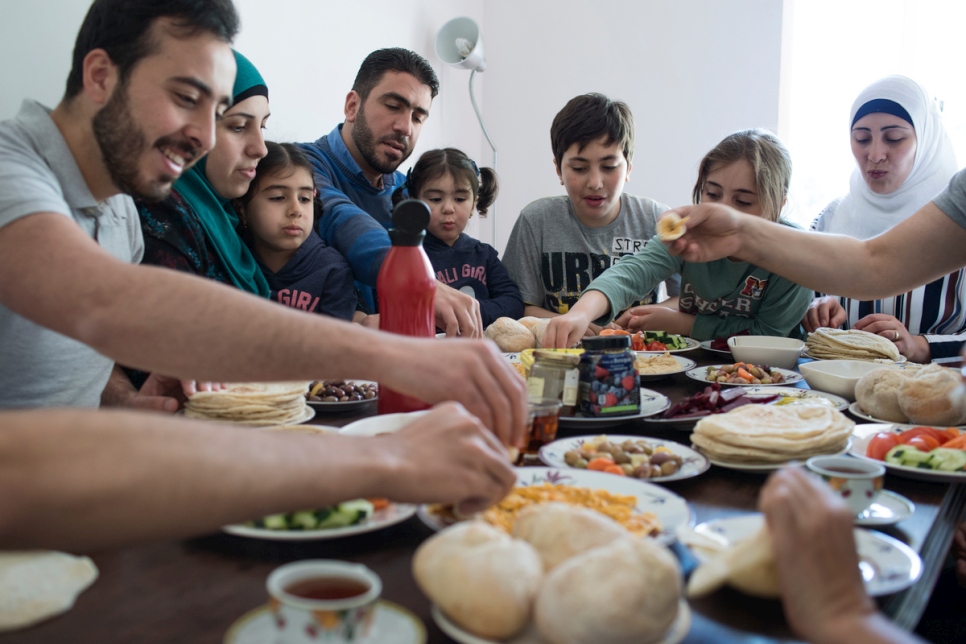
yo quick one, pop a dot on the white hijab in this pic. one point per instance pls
(862, 213)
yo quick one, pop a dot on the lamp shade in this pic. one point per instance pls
(460, 43)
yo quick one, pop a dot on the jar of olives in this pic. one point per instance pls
(555, 376)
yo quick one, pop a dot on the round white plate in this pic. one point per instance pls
(651, 403)
(706, 345)
(395, 513)
(679, 629)
(512, 357)
(887, 565)
(765, 467)
(669, 508)
(856, 410)
(691, 343)
(683, 365)
(793, 395)
(701, 375)
(391, 624)
(343, 406)
(883, 361)
(694, 462)
(861, 436)
(887, 508)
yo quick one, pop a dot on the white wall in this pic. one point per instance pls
(691, 71)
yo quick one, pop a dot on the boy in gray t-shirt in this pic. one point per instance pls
(560, 244)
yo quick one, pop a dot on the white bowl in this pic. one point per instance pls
(385, 424)
(837, 376)
(768, 350)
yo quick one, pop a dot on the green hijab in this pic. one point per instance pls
(215, 213)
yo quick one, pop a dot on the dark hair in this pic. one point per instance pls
(281, 157)
(769, 160)
(434, 164)
(122, 29)
(588, 117)
(394, 59)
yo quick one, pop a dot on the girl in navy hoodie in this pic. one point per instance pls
(454, 187)
(278, 215)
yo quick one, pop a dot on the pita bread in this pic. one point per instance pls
(37, 585)
(671, 226)
(747, 565)
(769, 434)
(833, 344)
(251, 403)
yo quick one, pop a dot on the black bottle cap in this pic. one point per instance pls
(602, 343)
(409, 218)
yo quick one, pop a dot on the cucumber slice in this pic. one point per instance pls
(947, 460)
(275, 522)
(304, 520)
(906, 455)
(363, 507)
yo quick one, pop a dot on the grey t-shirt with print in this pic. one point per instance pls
(952, 200)
(38, 174)
(553, 257)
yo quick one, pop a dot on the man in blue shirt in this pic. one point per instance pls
(356, 173)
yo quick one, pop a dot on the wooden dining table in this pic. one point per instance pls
(192, 591)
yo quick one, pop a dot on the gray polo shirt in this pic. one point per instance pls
(40, 368)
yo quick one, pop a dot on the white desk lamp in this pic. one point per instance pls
(459, 43)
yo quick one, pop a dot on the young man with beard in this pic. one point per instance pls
(356, 173)
(148, 82)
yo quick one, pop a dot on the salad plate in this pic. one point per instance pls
(706, 345)
(701, 375)
(388, 516)
(887, 564)
(694, 463)
(861, 436)
(691, 345)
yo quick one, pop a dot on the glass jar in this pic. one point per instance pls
(555, 376)
(608, 377)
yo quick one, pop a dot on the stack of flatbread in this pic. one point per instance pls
(839, 344)
(764, 434)
(251, 403)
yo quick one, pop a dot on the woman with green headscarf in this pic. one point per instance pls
(194, 229)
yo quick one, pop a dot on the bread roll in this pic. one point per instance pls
(559, 531)
(877, 392)
(529, 321)
(510, 335)
(539, 330)
(480, 578)
(934, 396)
(625, 591)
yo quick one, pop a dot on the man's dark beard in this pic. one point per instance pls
(362, 137)
(122, 142)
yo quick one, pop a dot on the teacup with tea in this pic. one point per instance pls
(323, 600)
(855, 480)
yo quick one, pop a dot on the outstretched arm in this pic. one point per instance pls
(922, 248)
(63, 485)
(167, 322)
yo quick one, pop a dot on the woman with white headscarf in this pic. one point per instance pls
(904, 158)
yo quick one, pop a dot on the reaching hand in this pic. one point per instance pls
(825, 311)
(654, 317)
(457, 313)
(712, 232)
(914, 347)
(564, 331)
(448, 456)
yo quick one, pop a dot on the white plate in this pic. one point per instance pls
(701, 375)
(766, 467)
(887, 565)
(679, 629)
(395, 513)
(887, 508)
(691, 343)
(883, 361)
(694, 462)
(861, 436)
(671, 510)
(651, 403)
(683, 365)
(706, 345)
(391, 624)
(856, 410)
(343, 406)
(794, 394)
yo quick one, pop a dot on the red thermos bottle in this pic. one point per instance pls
(406, 287)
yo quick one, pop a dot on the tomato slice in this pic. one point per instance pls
(880, 445)
(937, 434)
(656, 346)
(637, 342)
(924, 442)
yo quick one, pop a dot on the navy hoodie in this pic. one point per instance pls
(317, 279)
(472, 267)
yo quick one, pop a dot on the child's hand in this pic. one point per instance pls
(565, 331)
(654, 317)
